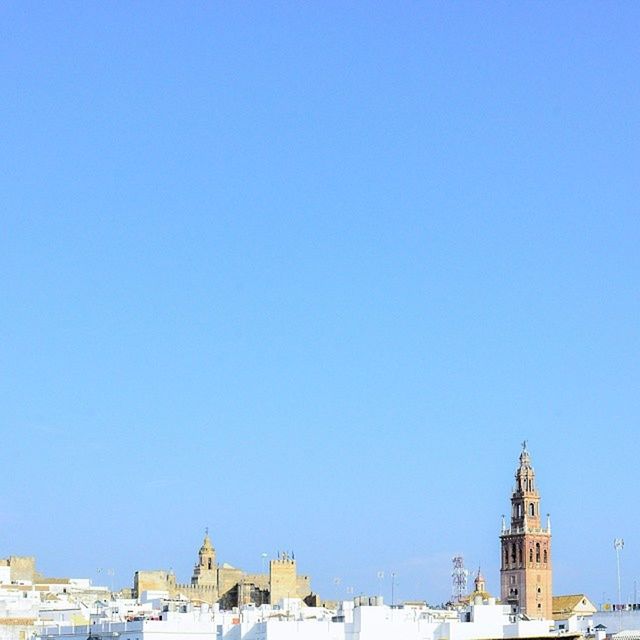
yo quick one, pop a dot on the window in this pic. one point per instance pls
(545, 556)
(531, 554)
(513, 552)
(532, 509)
(537, 552)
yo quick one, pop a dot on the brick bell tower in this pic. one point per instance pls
(525, 573)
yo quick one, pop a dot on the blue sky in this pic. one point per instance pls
(307, 274)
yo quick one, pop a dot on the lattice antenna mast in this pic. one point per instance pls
(459, 577)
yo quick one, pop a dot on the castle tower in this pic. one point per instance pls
(283, 581)
(525, 573)
(205, 572)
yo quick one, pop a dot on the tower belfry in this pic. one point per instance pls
(525, 573)
(205, 571)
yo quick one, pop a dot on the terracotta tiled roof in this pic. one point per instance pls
(566, 605)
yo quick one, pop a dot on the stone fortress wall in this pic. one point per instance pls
(227, 585)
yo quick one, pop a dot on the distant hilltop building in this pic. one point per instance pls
(525, 574)
(227, 585)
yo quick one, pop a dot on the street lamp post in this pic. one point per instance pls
(618, 545)
(393, 588)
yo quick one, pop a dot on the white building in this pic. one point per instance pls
(364, 619)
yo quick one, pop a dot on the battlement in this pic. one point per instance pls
(284, 559)
(196, 587)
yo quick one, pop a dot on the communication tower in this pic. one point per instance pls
(459, 579)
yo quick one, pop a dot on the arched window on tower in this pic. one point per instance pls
(537, 552)
(519, 554)
(544, 555)
(506, 555)
(530, 554)
(513, 552)
(532, 509)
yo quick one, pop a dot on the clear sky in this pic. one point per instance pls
(307, 274)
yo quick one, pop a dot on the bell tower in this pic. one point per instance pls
(525, 573)
(205, 572)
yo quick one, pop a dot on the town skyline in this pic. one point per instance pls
(342, 587)
(307, 274)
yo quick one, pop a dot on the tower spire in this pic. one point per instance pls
(525, 574)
